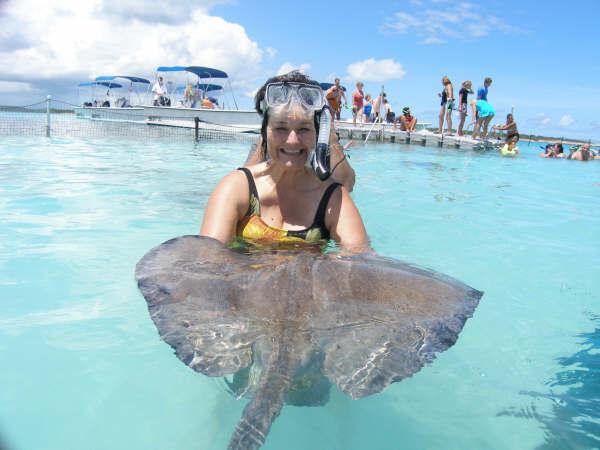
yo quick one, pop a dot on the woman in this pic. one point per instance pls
(358, 98)
(463, 95)
(447, 105)
(510, 126)
(367, 108)
(281, 200)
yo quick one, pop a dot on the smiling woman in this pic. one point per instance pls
(281, 200)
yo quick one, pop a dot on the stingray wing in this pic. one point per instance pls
(380, 320)
(193, 286)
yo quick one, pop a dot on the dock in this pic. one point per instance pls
(385, 132)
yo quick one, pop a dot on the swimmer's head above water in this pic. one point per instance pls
(290, 107)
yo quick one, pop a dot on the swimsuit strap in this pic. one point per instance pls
(320, 215)
(253, 206)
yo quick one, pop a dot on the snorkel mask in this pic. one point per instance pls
(311, 98)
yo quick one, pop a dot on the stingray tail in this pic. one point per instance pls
(252, 429)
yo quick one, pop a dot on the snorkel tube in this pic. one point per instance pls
(320, 157)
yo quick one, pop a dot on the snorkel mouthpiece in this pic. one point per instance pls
(320, 157)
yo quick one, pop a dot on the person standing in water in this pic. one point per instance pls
(281, 200)
(447, 105)
(463, 95)
(510, 126)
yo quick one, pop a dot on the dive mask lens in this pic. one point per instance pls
(311, 97)
(278, 94)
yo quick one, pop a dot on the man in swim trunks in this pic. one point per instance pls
(334, 97)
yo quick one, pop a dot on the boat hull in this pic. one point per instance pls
(222, 117)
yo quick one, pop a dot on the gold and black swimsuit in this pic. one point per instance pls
(253, 229)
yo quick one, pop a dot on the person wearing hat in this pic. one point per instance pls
(464, 92)
(407, 120)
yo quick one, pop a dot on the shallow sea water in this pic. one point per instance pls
(84, 368)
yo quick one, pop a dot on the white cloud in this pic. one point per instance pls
(375, 70)
(72, 38)
(540, 120)
(436, 26)
(566, 120)
(288, 67)
(271, 52)
(16, 86)
(163, 11)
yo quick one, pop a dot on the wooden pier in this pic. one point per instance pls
(384, 132)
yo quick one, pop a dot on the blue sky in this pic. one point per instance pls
(543, 57)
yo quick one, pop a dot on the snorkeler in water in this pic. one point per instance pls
(287, 197)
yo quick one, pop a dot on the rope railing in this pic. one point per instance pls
(59, 118)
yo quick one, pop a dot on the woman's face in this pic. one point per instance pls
(291, 135)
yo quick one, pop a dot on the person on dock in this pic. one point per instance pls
(367, 109)
(446, 105)
(390, 115)
(280, 201)
(463, 94)
(485, 111)
(408, 122)
(358, 98)
(334, 97)
(377, 104)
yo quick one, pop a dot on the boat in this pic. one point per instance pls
(177, 108)
(117, 102)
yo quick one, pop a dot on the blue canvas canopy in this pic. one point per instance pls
(126, 77)
(201, 72)
(206, 72)
(101, 83)
(171, 69)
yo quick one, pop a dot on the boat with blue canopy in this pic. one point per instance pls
(183, 93)
(110, 97)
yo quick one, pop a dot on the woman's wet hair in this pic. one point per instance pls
(509, 118)
(294, 76)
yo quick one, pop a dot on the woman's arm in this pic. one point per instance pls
(344, 223)
(226, 205)
(342, 171)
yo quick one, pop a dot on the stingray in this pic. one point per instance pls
(288, 324)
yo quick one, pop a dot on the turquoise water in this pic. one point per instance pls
(83, 366)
